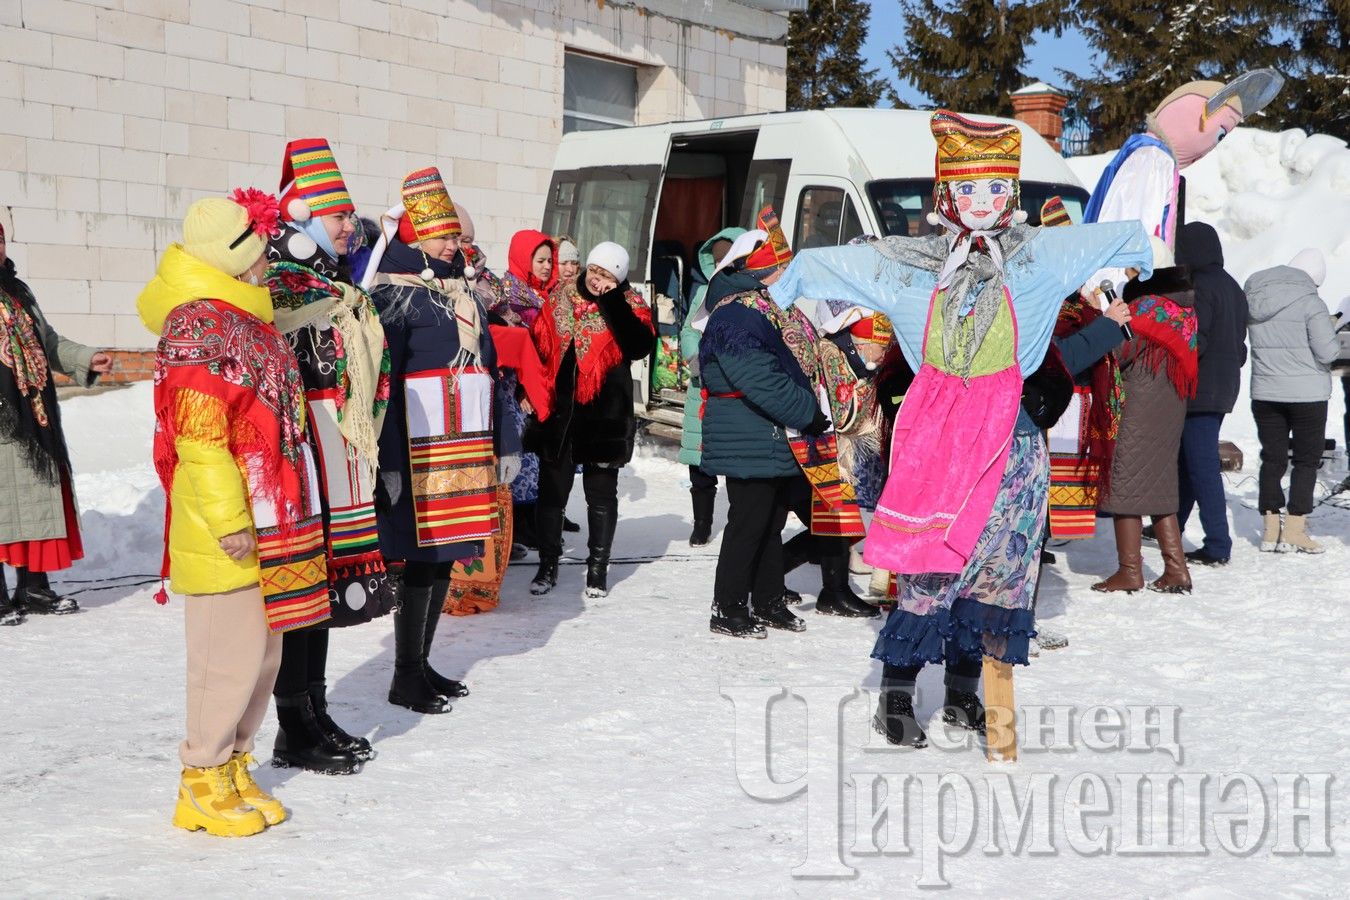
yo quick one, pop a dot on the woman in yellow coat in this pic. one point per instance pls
(245, 540)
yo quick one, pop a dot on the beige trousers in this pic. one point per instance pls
(232, 662)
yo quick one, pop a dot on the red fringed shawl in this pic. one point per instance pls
(569, 318)
(1105, 381)
(1167, 338)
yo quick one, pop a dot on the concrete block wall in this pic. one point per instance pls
(116, 114)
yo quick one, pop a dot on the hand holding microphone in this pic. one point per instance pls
(1117, 310)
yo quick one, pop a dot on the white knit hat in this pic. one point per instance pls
(610, 257)
(568, 252)
(1313, 262)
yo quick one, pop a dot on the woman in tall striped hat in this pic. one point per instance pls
(339, 344)
(442, 448)
(964, 508)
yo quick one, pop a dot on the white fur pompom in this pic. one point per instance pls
(427, 274)
(297, 210)
(470, 272)
(1019, 216)
(301, 246)
(933, 219)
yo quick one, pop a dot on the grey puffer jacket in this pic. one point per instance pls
(1293, 342)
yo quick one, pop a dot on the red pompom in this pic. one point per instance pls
(161, 595)
(264, 213)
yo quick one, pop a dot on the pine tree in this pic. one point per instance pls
(1318, 93)
(825, 65)
(969, 55)
(1149, 48)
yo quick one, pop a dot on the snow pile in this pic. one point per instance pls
(1269, 195)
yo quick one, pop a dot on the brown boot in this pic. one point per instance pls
(1176, 578)
(1129, 576)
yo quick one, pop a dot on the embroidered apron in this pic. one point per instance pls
(1073, 494)
(454, 478)
(948, 453)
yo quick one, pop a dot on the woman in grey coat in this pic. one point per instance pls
(1158, 372)
(1293, 344)
(39, 524)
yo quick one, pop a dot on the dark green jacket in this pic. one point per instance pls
(745, 437)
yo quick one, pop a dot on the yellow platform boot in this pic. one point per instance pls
(253, 795)
(208, 799)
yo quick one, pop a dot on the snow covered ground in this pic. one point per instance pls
(598, 756)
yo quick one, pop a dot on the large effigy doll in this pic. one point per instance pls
(1143, 180)
(964, 508)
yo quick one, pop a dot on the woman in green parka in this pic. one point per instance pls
(702, 486)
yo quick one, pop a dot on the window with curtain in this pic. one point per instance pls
(597, 93)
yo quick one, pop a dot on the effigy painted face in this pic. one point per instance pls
(981, 203)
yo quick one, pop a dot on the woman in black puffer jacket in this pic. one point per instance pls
(587, 334)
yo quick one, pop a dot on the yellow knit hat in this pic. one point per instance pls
(219, 233)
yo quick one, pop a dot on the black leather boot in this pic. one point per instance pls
(896, 721)
(357, 746)
(446, 687)
(734, 621)
(34, 593)
(11, 613)
(550, 523)
(601, 522)
(775, 614)
(302, 744)
(836, 594)
(410, 688)
(964, 709)
(704, 501)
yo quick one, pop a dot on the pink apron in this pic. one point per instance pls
(948, 455)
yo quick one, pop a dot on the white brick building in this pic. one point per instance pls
(116, 114)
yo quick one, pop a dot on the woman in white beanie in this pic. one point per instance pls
(1293, 344)
(245, 531)
(587, 334)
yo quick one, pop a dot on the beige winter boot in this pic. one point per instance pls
(1295, 538)
(1270, 533)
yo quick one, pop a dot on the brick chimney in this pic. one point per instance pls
(1041, 107)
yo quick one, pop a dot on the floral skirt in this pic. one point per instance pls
(985, 608)
(525, 489)
(52, 554)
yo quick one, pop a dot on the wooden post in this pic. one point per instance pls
(1000, 711)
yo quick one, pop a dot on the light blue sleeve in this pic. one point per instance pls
(1057, 263)
(863, 277)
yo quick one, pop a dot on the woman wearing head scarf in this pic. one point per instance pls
(587, 334)
(335, 332)
(569, 259)
(41, 525)
(761, 404)
(245, 527)
(973, 309)
(532, 275)
(442, 448)
(1158, 374)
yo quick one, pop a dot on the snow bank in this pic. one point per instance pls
(1269, 195)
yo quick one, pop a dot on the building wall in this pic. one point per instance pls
(116, 114)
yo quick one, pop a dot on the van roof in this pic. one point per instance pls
(889, 143)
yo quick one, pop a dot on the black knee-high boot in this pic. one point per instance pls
(601, 522)
(447, 687)
(410, 687)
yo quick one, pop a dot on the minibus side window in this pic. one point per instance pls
(819, 211)
(765, 185)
